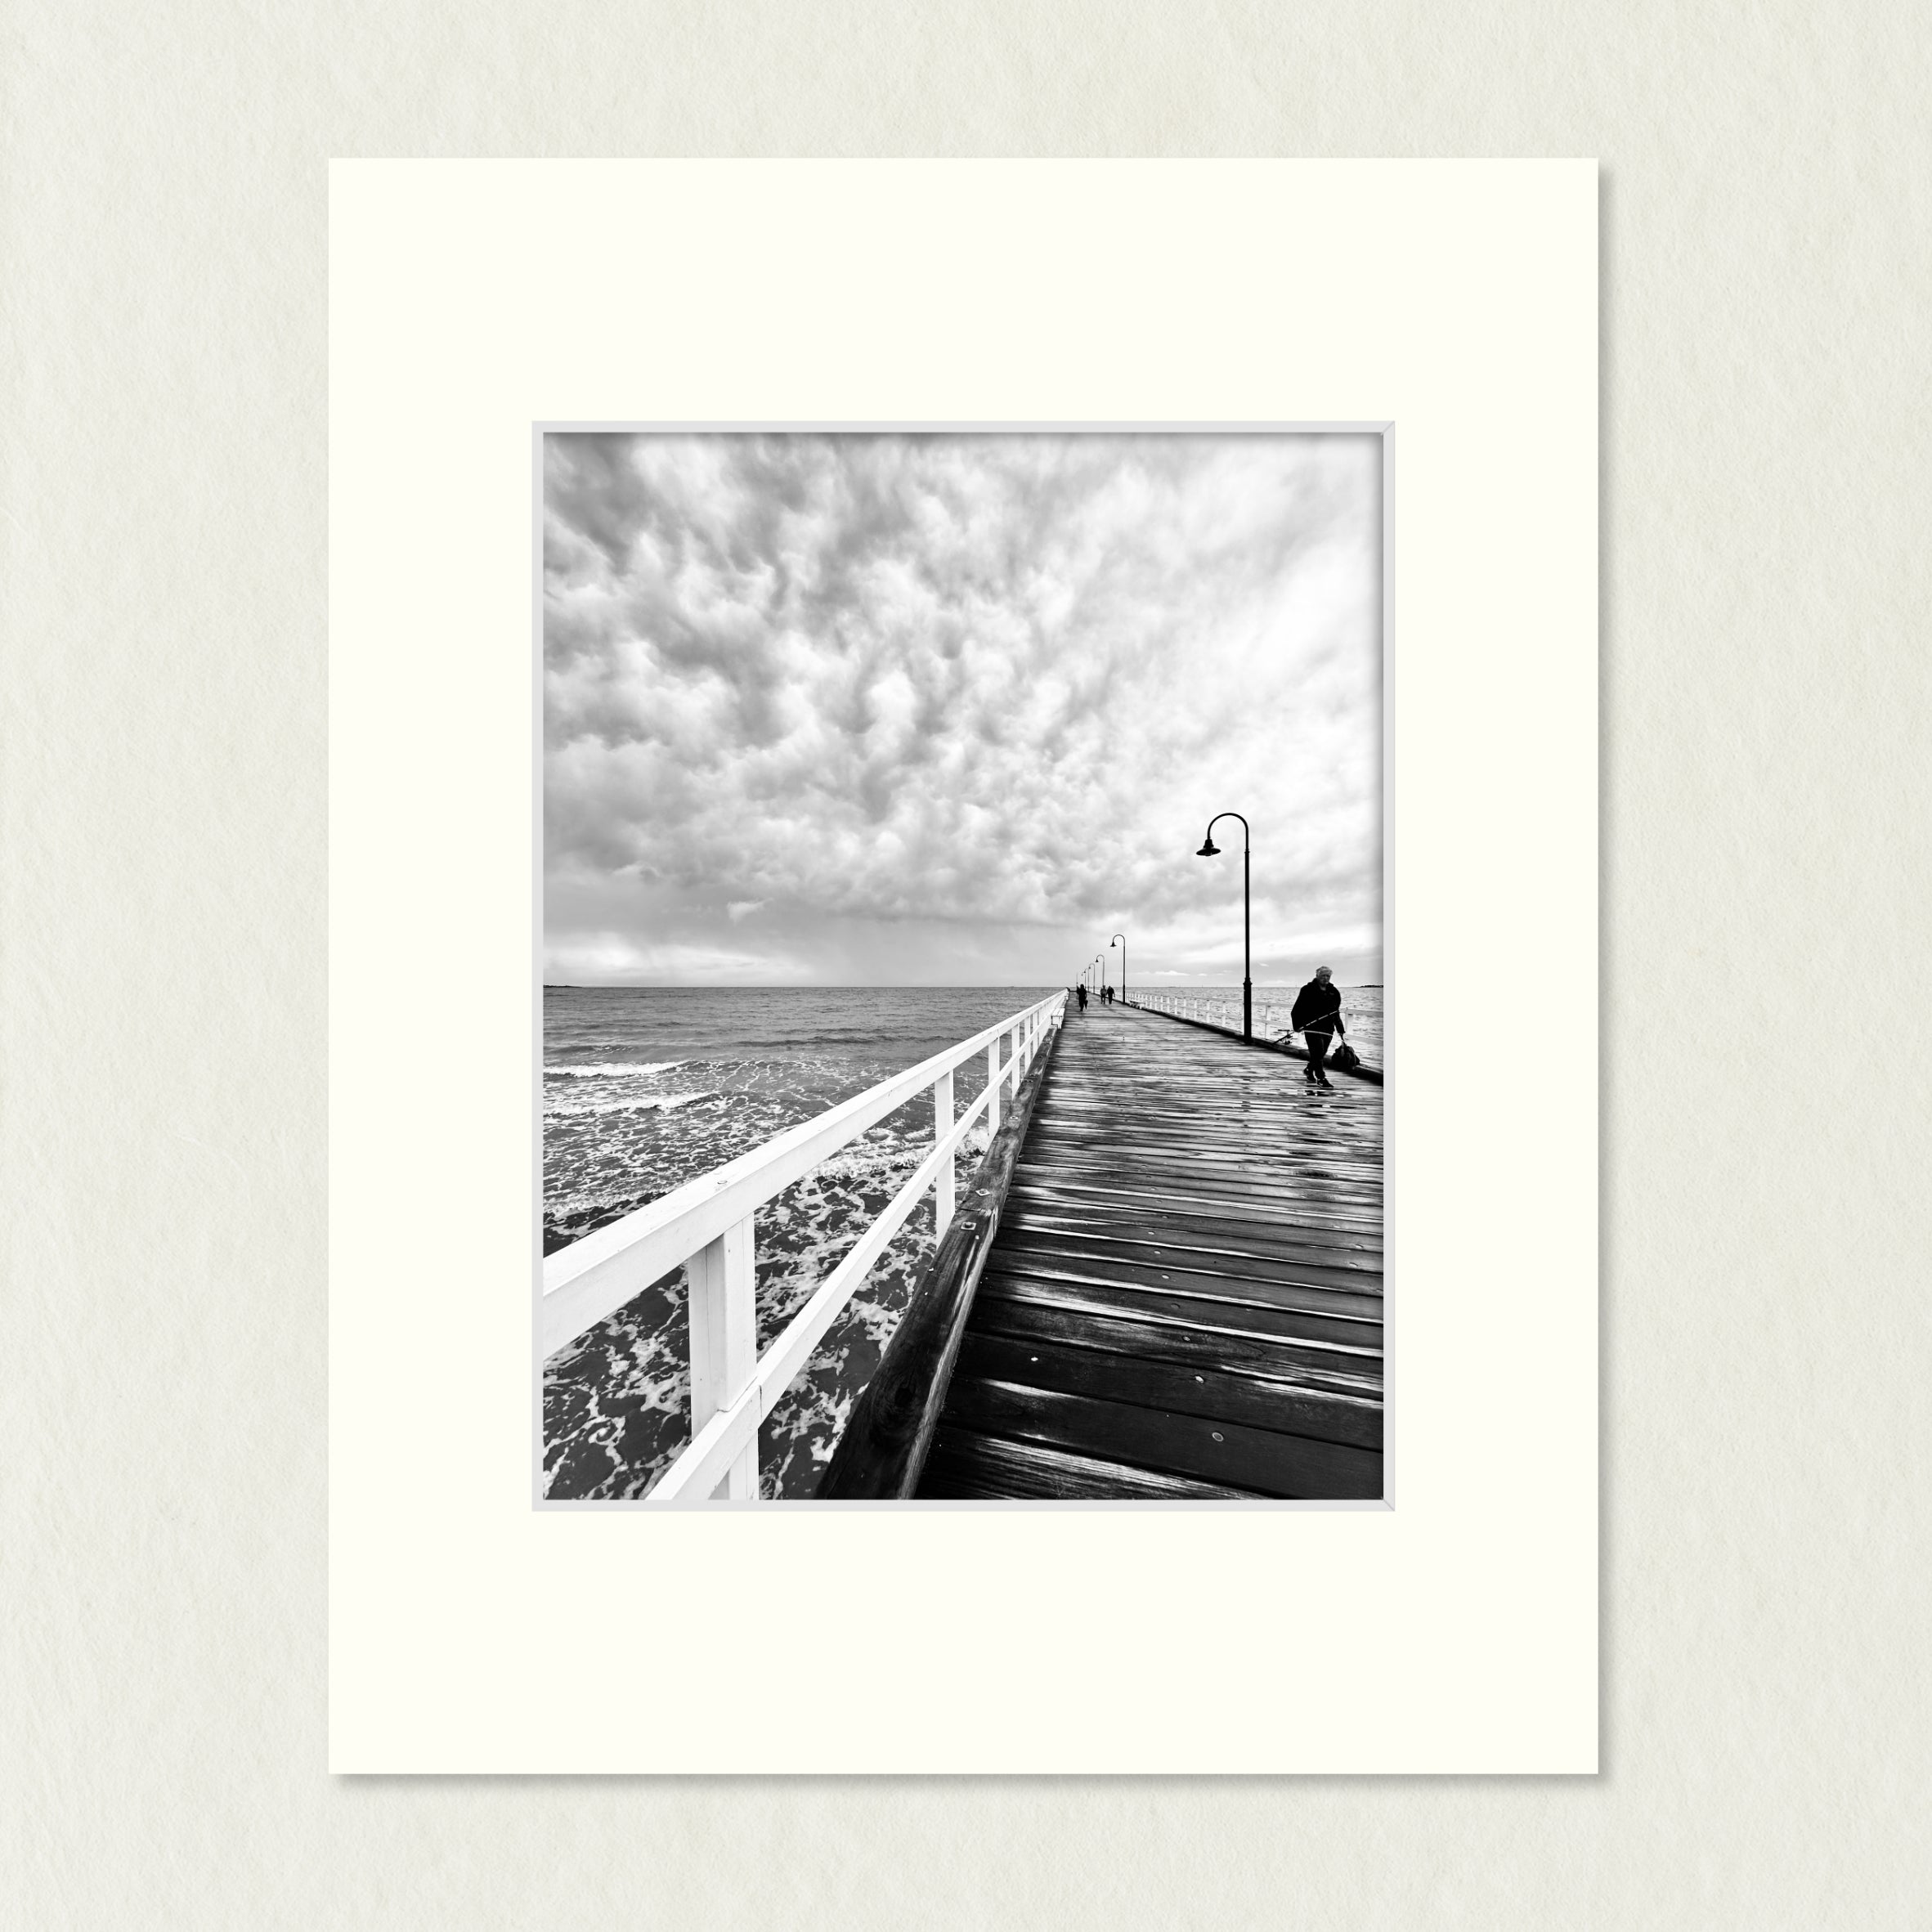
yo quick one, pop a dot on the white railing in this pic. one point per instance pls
(707, 1225)
(1218, 1009)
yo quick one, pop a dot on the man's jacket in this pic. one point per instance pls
(1317, 1008)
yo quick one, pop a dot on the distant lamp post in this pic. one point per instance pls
(1209, 849)
(1119, 939)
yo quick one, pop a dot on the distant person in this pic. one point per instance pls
(1317, 1015)
(1080, 994)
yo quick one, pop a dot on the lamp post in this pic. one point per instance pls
(1119, 939)
(1209, 849)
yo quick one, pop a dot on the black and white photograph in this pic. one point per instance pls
(963, 1024)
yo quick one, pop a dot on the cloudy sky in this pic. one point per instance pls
(952, 710)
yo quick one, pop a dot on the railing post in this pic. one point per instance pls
(992, 1080)
(724, 1314)
(942, 1125)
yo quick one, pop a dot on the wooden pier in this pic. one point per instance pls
(1183, 1295)
(1162, 1280)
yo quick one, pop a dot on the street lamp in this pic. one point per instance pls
(1119, 939)
(1209, 849)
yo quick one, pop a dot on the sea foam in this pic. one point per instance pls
(610, 1069)
(649, 1103)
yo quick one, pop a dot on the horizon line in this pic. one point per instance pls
(856, 985)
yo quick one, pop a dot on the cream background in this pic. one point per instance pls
(1462, 298)
(1766, 289)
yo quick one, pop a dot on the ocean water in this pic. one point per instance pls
(646, 1087)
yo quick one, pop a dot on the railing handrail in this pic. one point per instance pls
(717, 1444)
(594, 1277)
(707, 1227)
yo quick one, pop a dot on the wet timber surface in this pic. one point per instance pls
(1184, 1297)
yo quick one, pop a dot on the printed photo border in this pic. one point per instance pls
(1391, 1292)
(1456, 1631)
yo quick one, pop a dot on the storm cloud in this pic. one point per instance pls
(953, 708)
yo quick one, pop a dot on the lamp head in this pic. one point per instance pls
(1208, 849)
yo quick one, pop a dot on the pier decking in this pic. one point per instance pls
(1184, 1295)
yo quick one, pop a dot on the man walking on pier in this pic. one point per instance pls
(1317, 1016)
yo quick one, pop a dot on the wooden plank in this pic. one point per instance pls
(1175, 1275)
(1154, 1252)
(1279, 1203)
(1220, 1306)
(1175, 1167)
(966, 1465)
(1279, 1255)
(1178, 1169)
(1360, 1358)
(1266, 1141)
(1272, 1125)
(1264, 1357)
(1169, 1443)
(1210, 1392)
(1050, 1192)
(1167, 1108)
(1183, 1175)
